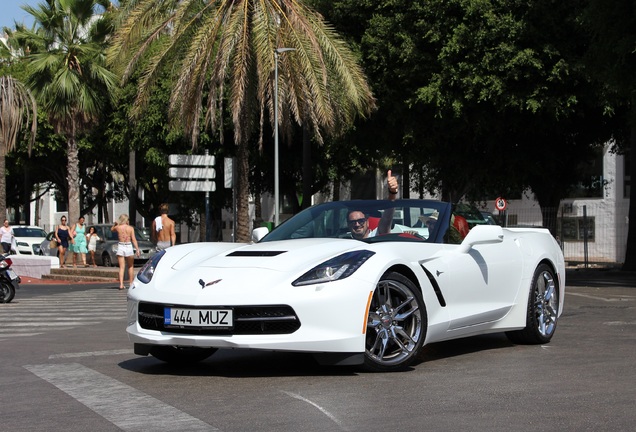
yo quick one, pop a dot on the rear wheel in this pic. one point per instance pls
(396, 325)
(7, 292)
(181, 355)
(543, 308)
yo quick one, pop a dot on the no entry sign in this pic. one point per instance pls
(501, 204)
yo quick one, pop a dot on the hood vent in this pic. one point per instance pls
(255, 253)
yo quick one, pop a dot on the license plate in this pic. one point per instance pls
(219, 318)
(12, 274)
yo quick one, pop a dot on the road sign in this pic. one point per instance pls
(205, 173)
(191, 160)
(501, 204)
(192, 186)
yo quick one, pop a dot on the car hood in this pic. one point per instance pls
(231, 273)
(284, 256)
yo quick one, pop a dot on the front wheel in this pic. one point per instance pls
(181, 355)
(396, 325)
(543, 309)
(7, 292)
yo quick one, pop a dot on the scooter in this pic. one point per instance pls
(9, 280)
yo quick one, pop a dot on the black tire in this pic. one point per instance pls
(542, 312)
(181, 355)
(106, 261)
(7, 292)
(396, 325)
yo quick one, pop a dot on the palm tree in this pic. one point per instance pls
(16, 105)
(223, 53)
(67, 73)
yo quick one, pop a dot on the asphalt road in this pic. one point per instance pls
(66, 365)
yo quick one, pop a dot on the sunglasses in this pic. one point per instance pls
(357, 221)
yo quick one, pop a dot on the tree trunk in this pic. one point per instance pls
(630, 252)
(132, 188)
(406, 184)
(27, 199)
(3, 188)
(242, 193)
(72, 176)
(308, 170)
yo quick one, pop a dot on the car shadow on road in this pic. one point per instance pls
(257, 364)
(241, 364)
(459, 347)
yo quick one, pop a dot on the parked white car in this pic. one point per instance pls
(28, 239)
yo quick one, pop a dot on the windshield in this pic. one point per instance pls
(28, 232)
(408, 220)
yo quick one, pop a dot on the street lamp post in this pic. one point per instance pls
(277, 52)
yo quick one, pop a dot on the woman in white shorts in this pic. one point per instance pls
(125, 252)
(92, 238)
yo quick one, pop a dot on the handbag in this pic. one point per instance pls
(53, 244)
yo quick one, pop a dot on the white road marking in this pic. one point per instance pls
(126, 407)
(619, 323)
(66, 322)
(321, 409)
(605, 299)
(92, 354)
(56, 312)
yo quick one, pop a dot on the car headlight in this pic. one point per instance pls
(148, 270)
(24, 244)
(335, 269)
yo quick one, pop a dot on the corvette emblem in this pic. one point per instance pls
(203, 284)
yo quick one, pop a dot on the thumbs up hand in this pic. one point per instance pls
(392, 184)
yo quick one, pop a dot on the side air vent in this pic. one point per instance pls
(436, 288)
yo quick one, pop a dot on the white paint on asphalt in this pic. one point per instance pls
(91, 354)
(126, 407)
(26, 317)
(618, 298)
(619, 323)
(321, 409)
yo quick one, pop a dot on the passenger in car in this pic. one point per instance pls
(358, 222)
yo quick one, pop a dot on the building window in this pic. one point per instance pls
(573, 228)
(592, 183)
(61, 203)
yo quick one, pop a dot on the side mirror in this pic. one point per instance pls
(482, 234)
(259, 233)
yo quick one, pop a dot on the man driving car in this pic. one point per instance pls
(358, 222)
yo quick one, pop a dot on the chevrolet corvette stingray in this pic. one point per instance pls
(439, 272)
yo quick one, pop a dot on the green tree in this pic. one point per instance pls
(17, 105)
(481, 87)
(225, 54)
(612, 60)
(67, 72)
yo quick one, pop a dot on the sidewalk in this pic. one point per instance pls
(601, 278)
(27, 280)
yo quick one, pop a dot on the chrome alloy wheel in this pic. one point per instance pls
(546, 304)
(396, 324)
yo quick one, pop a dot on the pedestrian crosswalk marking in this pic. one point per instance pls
(26, 317)
(113, 400)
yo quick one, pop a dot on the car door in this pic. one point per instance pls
(480, 284)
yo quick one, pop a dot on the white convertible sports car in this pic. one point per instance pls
(435, 272)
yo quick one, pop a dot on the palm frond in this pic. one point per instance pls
(17, 104)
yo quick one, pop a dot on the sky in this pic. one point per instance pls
(10, 11)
